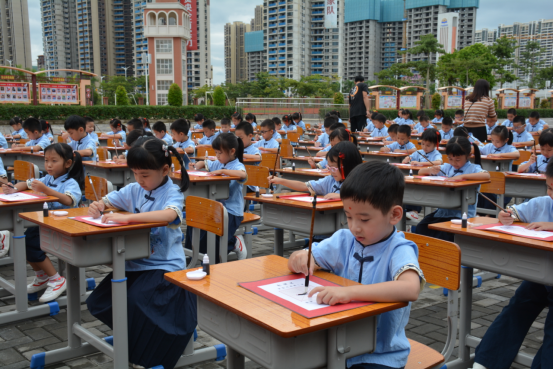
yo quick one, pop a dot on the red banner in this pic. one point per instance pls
(58, 93)
(190, 5)
(13, 93)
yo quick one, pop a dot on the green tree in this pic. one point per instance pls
(121, 94)
(531, 60)
(393, 76)
(446, 70)
(427, 45)
(338, 98)
(504, 49)
(467, 65)
(219, 96)
(436, 101)
(545, 74)
(174, 96)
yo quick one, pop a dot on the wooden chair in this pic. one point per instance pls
(294, 137)
(497, 187)
(445, 159)
(23, 141)
(103, 153)
(211, 216)
(440, 261)
(524, 156)
(200, 151)
(61, 139)
(286, 151)
(101, 185)
(269, 160)
(23, 170)
(415, 142)
(112, 141)
(299, 130)
(196, 135)
(308, 126)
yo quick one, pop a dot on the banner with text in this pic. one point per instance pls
(331, 14)
(58, 94)
(14, 93)
(190, 5)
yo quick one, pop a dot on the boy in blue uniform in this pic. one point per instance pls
(447, 129)
(422, 125)
(268, 144)
(511, 114)
(539, 164)
(460, 118)
(323, 140)
(297, 118)
(38, 141)
(244, 131)
(380, 129)
(374, 254)
(402, 144)
(179, 131)
(81, 141)
(90, 128)
(503, 339)
(534, 123)
(18, 131)
(520, 134)
(209, 127)
(199, 119)
(160, 131)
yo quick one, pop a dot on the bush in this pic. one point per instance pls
(545, 104)
(121, 96)
(436, 102)
(495, 103)
(174, 97)
(338, 98)
(219, 96)
(104, 112)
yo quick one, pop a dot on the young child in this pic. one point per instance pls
(337, 135)
(3, 142)
(118, 130)
(288, 124)
(18, 131)
(534, 123)
(236, 118)
(380, 129)
(511, 114)
(407, 118)
(462, 132)
(520, 134)
(225, 126)
(132, 137)
(65, 180)
(250, 118)
(430, 140)
(268, 144)
(460, 118)
(370, 126)
(447, 128)
(399, 118)
(500, 146)
(374, 254)
(342, 159)
(46, 129)
(513, 323)
(146, 124)
(402, 144)
(161, 316)
(297, 118)
(135, 123)
(392, 134)
(199, 119)
(276, 135)
(90, 129)
(490, 125)
(37, 140)
(458, 151)
(323, 140)
(179, 131)
(81, 141)
(438, 116)
(160, 131)
(244, 131)
(209, 127)
(229, 151)
(422, 125)
(539, 164)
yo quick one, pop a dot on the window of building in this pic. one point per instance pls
(164, 46)
(162, 99)
(164, 85)
(164, 66)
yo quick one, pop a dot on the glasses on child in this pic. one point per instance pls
(262, 132)
(332, 169)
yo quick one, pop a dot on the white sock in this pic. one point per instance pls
(237, 244)
(478, 366)
(54, 278)
(41, 275)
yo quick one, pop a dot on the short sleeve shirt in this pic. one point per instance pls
(356, 102)
(42, 141)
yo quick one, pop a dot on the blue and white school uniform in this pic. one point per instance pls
(324, 186)
(232, 126)
(252, 150)
(323, 139)
(207, 140)
(490, 129)
(20, 132)
(473, 139)
(94, 136)
(42, 141)
(421, 129)
(49, 135)
(525, 136)
(382, 132)
(446, 135)
(146, 129)
(436, 120)
(541, 164)
(398, 119)
(396, 146)
(290, 128)
(505, 149)
(409, 122)
(301, 124)
(161, 316)
(324, 162)
(3, 142)
(277, 136)
(271, 144)
(254, 125)
(370, 126)
(167, 138)
(85, 143)
(433, 155)
(184, 145)
(381, 262)
(198, 126)
(507, 123)
(122, 133)
(339, 120)
(534, 128)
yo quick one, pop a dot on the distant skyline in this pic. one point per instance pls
(490, 14)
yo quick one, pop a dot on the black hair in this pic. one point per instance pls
(373, 115)
(76, 170)
(32, 124)
(117, 123)
(146, 123)
(421, 113)
(180, 126)
(88, 119)
(249, 116)
(424, 118)
(519, 119)
(198, 117)
(405, 129)
(377, 183)
(135, 123)
(548, 170)
(343, 134)
(276, 120)
(461, 132)
(228, 141)
(431, 135)
(237, 115)
(481, 89)
(153, 153)
(333, 112)
(159, 126)
(503, 133)
(512, 111)
(393, 128)
(336, 126)
(330, 120)
(45, 125)
(135, 134)
(447, 121)
(408, 112)
(439, 112)
(534, 115)
(461, 146)
(14, 121)
(546, 137)
(286, 118)
(269, 124)
(296, 116)
(346, 155)
(359, 79)
(380, 117)
(74, 122)
(209, 124)
(246, 127)
(225, 121)
(400, 111)
(460, 112)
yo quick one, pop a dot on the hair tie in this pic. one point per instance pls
(164, 148)
(342, 156)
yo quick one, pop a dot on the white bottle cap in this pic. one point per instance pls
(497, 168)
(464, 215)
(45, 206)
(411, 172)
(206, 259)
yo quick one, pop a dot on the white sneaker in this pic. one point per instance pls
(37, 285)
(4, 243)
(413, 215)
(135, 366)
(54, 290)
(240, 248)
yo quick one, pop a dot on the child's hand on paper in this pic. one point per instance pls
(434, 170)
(7, 189)
(38, 186)
(116, 218)
(540, 226)
(298, 262)
(330, 196)
(407, 160)
(331, 295)
(95, 208)
(506, 219)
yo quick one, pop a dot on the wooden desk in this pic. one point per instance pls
(491, 164)
(309, 143)
(270, 334)
(83, 245)
(119, 175)
(202, 158)
(525, 186)
(524, 258)
(405, 168)
(103, 140)
(9, 157)
(303, 150)
(371, 145)
(212, 187)
(390, 157)
(301, 161)
(296, 216)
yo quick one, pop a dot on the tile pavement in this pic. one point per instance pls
(427, 324)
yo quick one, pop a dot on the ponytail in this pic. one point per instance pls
(477, 158)
(228, 141)
(184, 178)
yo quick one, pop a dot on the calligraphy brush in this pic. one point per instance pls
(493, 203)
(93, 189)
(310, 245)
(434, 165)
(536, 156)
(276, 162)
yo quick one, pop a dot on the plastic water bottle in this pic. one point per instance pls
(497, 168)
(410, 172)
(388, 161)
(172, 168)
(45, 212)
(205, 264)
(464, 221)
(97, 158)
(293, 167)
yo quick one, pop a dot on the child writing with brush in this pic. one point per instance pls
(374, 254)
(530, 299)
(538, 164)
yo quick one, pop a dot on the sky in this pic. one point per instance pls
(490, 14)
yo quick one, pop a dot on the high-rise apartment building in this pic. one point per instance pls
(40, 64)
(255, 46)
(257, 20)
(485, 36)
(199, 70)
(15, 38)
(236, 63)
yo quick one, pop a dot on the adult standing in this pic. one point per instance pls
(479, 108)
(359, 105)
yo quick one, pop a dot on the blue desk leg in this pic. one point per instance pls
(119, 298)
